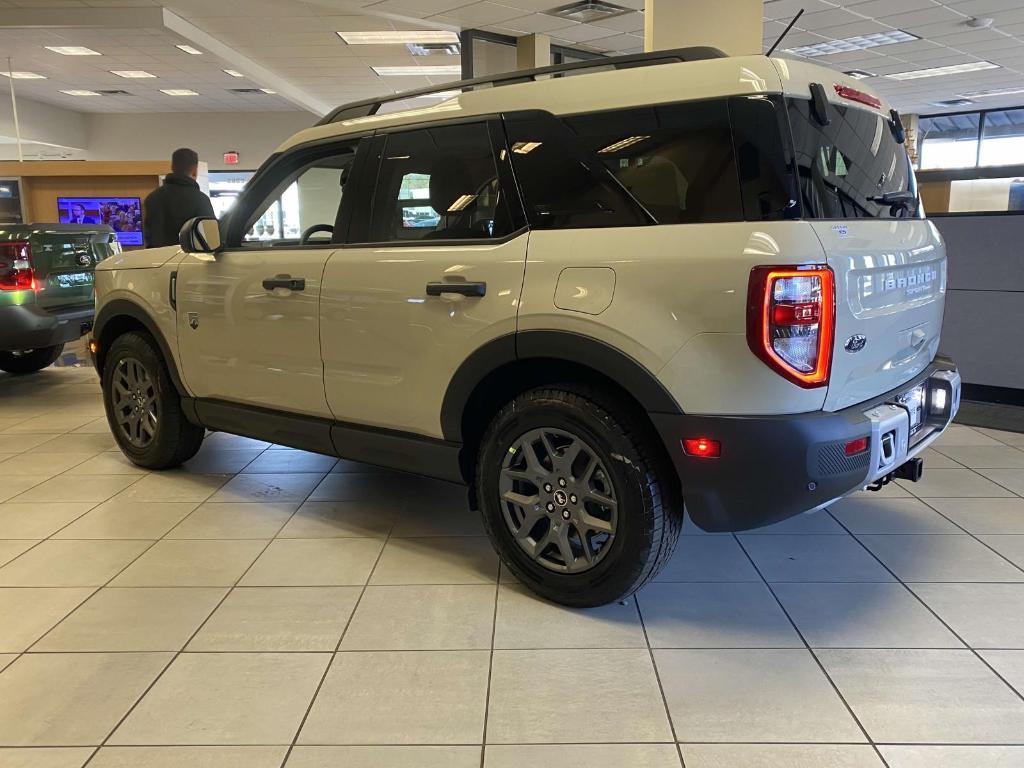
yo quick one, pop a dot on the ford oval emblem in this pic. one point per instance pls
(856, 343)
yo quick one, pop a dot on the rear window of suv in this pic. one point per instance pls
(844, 164)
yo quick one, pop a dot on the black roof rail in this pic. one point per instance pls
(654, 58)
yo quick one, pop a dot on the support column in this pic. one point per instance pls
(735, 26)
(533, 51)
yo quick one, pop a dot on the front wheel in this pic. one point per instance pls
(144, 408)
(30, 360)
(577, 496)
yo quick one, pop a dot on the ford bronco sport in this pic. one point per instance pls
(46, 289)
(589, 296)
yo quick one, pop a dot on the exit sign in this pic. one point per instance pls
(230, 158)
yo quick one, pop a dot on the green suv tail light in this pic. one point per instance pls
(16, 272)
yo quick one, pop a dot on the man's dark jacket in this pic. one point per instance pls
(169, 206)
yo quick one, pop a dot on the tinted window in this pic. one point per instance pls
(676, 160)
(763, 158)
(844, 164)
(563, 187)
(305, 198)
(438, 184)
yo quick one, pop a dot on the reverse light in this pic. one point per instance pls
(16, 271)
(702, 447)
(856, 447)
(791, 321)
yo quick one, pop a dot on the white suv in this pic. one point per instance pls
(591, 296)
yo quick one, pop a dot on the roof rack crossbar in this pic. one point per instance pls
(654, 58)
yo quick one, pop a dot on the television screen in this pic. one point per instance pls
(122, 214)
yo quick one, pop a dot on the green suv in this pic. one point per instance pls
(46, 289)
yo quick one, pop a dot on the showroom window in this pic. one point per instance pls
(307, 198)
(438, 184)
(1002, 138)
(948, 141)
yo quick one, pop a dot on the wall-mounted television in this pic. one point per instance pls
(122, 214)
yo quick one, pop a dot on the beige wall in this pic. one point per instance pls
(40, 123)
(255, 135)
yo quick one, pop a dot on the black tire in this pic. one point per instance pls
(174, 439)
(30, 360)
(649, 514)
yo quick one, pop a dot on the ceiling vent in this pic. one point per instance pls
(426, 49)
(246, 90)
(115, 92)
(586, 11)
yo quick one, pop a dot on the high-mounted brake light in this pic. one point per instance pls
(16, 272)
(852, 94)
(791, 321)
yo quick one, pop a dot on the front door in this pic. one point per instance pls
(433, 275)
(248, 325)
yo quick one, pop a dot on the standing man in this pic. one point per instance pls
(168, 207)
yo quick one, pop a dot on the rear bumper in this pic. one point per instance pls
(774, 467)
(31, 327)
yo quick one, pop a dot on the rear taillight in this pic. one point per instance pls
(791, 321)
(16, 272)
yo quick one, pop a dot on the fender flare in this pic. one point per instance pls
(557, 345)
(126, 308)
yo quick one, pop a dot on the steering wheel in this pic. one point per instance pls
(313, 230)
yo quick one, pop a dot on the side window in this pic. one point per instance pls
(676, 160)
(562, 187)
(438, 184)
(765, 162)
(308, 197)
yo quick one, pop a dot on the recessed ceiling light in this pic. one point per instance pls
(178, 92)
(23, 75)
(189, 50)
(267, 90)
(859, 74)
(72, 50)
(415, 71)
(953, 69)
(992, 92)
(847, 44)
(233, 73)
(953, 103)
(131, 73)
(394, 37)
(81, 93)
(588, 10)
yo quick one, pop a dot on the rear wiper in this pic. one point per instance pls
(903, 197)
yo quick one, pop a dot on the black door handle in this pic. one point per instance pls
(465, 289)
(283, 281)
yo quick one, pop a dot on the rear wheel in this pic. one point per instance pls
(577, 496)
(30, 360)
(144, 408)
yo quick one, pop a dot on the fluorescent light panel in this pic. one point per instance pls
(953, 69)
(23, 75)
(233, 73)
(267, 90)
(395, 37)
(625, 143)
(132, 74)
(847, 44)
(178, 92)
(189, 50)
(426, 71)
(72, 50)
(991, 92)
(81, 93)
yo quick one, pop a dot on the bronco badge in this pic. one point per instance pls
(856, 343)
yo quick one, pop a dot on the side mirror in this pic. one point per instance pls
(200, 235)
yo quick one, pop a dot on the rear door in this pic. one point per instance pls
(64, 259)
(433, 270)
(889, 264)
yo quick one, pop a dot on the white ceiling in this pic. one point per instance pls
(295, 40)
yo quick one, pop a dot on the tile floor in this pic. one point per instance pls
(263, 607)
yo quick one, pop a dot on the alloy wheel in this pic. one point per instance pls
(558, 500)
(135, 402)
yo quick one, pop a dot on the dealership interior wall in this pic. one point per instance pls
(268, 607)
